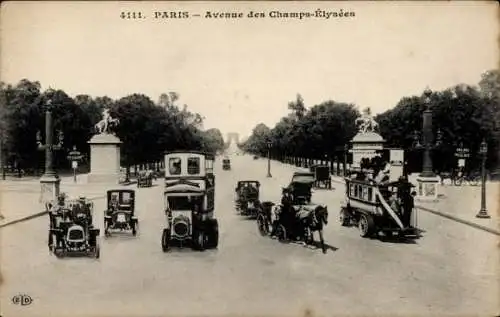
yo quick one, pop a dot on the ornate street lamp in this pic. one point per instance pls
(427, 148)
(269, 144)
(427, 170)
(483, 150)
(50, 181)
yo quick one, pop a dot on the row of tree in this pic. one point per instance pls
(147, 128)
(464, 116)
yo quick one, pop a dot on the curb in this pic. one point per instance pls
(38, 214)
(465, 222)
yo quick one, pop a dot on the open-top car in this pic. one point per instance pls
(145, 178)
(247, 197)
(226, 163)
(71, 230)
(375, 208)
(321, 176)
(120, 211)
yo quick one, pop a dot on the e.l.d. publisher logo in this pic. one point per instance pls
(22, 300)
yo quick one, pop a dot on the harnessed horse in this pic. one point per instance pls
(313, 220)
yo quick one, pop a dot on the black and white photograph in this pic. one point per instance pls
(258, 158)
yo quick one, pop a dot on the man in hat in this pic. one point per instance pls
(288, 214)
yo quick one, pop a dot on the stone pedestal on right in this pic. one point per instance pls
(427, 188)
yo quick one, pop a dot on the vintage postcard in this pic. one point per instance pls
(260, 158)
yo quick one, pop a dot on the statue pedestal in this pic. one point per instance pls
(104, 159)
(427, 189)
(365, 145)
(50, 188)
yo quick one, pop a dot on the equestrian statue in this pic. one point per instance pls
(106, 123)
(366, 122)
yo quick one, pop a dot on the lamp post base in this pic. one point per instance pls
(427, 189)
(50, 188)
(483, 214)
(269, 175)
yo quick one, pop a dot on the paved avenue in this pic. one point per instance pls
(450, 270)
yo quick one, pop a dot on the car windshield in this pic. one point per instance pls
(179, 203)
(174, 166)
(193, 165)
(126, 198)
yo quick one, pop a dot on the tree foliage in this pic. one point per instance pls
(311, 133)
(464, 115)
(147, 129)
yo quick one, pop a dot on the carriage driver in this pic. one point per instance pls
(287, 213)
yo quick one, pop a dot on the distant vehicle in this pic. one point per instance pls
(375, 208)
(189, 198)
(145, 178)
(71, 230)
(321, 176)
(226, 164)
(120, 212)
(255, 157)
(247, 197)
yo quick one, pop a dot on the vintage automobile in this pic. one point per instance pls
(120, 212)
(145, 178)
(71, 230)
(321, 176)
(189, 198)
(379, 207)
(226, 163)
(300, 220)
(301, 185)
(247, 197)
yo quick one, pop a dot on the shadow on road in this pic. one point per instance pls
(397, 240)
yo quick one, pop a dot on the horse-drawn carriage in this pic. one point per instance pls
(321, 176)
(189, 198)
(145, 178)
(120, 212)
(378, 207)
(71, 230)
(247, 197)
(295, 218)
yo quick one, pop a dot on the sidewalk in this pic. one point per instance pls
(20, 201)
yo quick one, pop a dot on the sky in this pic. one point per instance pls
(241, 72)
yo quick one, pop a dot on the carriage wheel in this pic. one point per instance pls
(343, 217)
(165, 240)
(457, 181)
(263, 226)
(365, 225)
